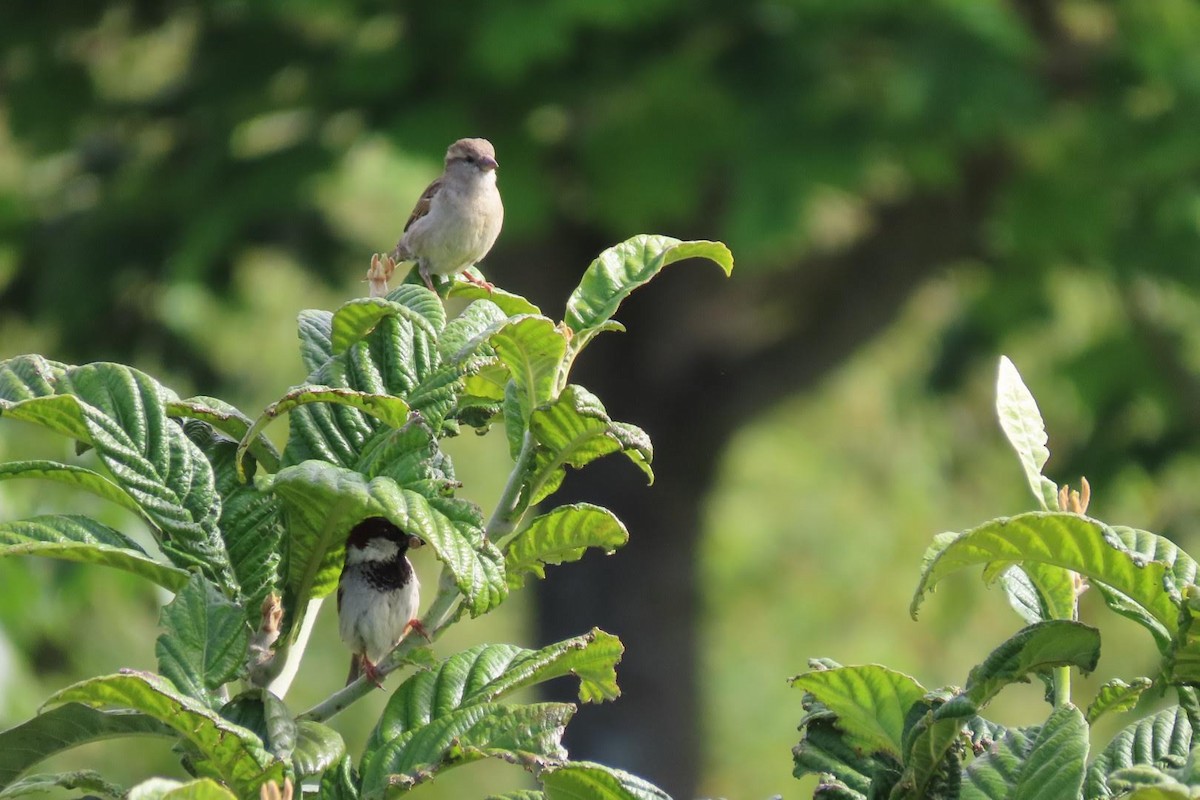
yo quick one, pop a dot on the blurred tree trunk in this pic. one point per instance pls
(683, 374)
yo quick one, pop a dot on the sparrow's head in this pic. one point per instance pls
(473, 154)
(377, 539)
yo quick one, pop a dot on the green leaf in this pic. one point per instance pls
(70, 475)
(120, 412)
(205, 641)
(511, 304)
(519, 794)
(340, 782)
(464, 735)
(993, 775)
(1163, 737)
(28, 376)
(1064, 540)
(620, 269)
(357, 318)
(574, 430)
(467, 334)
(167, 789)
(84, 780)
(823, 751)
(323, 502)
(318, 748)
(63, 728)
(228, 420)
(532, 348)
(559, 536)
(1038, 647)
(236, 754)
(82, 539)
(387, 409)
(315, 327)
(1057, 762)
(870, 702)
(576, 780)
(1116, 696)
(487, 672)
(1023, 425)
(251, 521)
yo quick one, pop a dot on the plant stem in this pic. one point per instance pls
(506, 516)
(1062, 686)
(293, 653)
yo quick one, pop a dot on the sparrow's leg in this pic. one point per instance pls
(424, 270)
(414, 624)
(479, 281)
(371, 672)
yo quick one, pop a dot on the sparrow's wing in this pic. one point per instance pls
(423, 202)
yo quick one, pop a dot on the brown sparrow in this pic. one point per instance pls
(457, 219)
(378, 593)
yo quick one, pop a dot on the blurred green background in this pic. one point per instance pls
(910, 190)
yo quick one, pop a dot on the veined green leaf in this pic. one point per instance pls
(204, 645)
(318, 748)
(1023, 425)
(574, 430)
(487, 672)
(1053, 643)
(1166, 734)
(532, 348)
(236, 753)
(623, 268)
(75, 538)
(340, 782)
(28, 376)
(994, 774)
(251, 521)
(1116, 696)
(230, 421)
(463, 735)
(167, 789)
(1064, 540)
(512, 305)
(387, 409)
(467, 334)
(1057, 762)
(70, 475)
(89, 781)
(315, 327)
(559, 536)
(870, 703)
(63, 728)
(583, 779)
(357, 318)
(120, 412)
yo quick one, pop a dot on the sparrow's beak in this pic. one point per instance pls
(487, 163)
(415, 541)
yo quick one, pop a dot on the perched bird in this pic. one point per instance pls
(378, 593)
(457, 219)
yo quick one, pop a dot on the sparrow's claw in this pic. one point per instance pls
(414, 624)
(371, 672)
(425, 276)
(479, 281)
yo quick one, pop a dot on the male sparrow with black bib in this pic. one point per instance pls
(457, 219)
(378, 593)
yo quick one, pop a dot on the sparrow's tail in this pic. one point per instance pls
(355, 670)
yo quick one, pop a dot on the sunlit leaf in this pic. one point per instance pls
(1023, 425)
(870, 702)
(559, 536)
(88, 781)
(204, 644)
(235, 753)
(82, 539)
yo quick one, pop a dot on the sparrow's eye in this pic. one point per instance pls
(469, 159)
